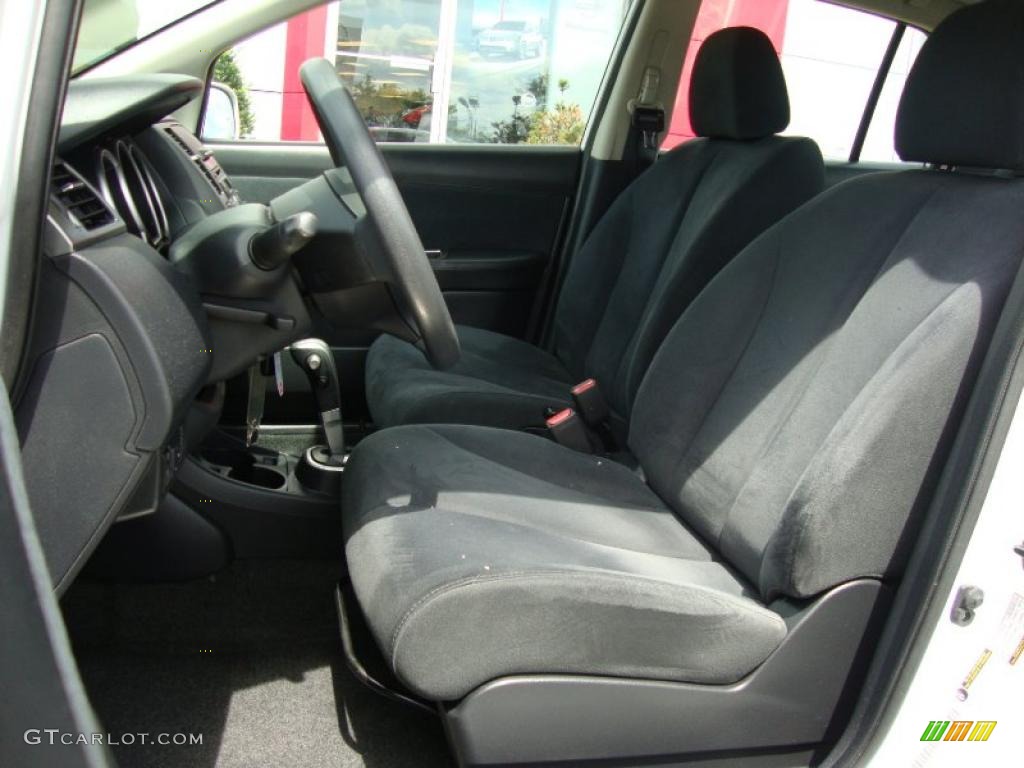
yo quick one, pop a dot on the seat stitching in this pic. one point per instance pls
(499, 391)
(800, 393)
(438, 590)
(685, 450)
(545, 481)
(791, 552)
(675, 232)
(559, 534)
(745, 605)
(798, 396)
(569, 537)
(665, 283)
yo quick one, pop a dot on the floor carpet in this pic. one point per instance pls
(251, 660)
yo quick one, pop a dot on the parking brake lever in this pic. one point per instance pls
(315, 359)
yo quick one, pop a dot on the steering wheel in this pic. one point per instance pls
(413, 283)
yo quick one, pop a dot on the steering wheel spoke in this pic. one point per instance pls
(396, 243)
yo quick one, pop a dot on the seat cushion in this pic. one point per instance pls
(478, 553)
(499, 381)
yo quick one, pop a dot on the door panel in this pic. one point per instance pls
(490, 216)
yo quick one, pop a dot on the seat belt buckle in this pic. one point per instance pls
(590, 402)
(567, 429)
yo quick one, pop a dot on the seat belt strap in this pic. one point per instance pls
(647, 121)
(256, 397)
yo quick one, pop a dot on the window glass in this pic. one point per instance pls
(501, 71)
(108, 26)
(830, 55)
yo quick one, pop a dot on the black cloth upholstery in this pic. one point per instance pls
(794, 413)
(971, 114)
(478, 552)
(707, 200)
(657, 246)
(738, 90)
(790, 432)
(793, 420)
(498, 380)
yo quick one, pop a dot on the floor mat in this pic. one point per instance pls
(249, 659)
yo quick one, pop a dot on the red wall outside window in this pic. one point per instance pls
(305, 39)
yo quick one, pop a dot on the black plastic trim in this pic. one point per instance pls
(95, 108)
(876, 91)
(792, 701)
(356, 666)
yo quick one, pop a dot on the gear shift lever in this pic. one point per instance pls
(314, 357)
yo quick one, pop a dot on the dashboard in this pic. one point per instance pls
(157, 283)
(150, 172)
(122, 345)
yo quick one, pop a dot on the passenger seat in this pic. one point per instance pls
(654, 250)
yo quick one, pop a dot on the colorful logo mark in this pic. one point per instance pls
(958, 730)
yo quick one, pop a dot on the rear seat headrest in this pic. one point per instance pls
(737, 90)
(963, 103)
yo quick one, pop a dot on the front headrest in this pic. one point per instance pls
(737, 90)
(963, 103)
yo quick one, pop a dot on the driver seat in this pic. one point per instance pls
(789, 435)
(648, 257)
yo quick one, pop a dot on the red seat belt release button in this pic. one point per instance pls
(566, 428)
(590, 402)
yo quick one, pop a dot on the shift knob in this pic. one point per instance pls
(275, 245)
(315, 359)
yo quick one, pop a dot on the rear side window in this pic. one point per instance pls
(831, 56)
(427, 71)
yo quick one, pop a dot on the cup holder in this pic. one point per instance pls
(261, 476)
(243, 467)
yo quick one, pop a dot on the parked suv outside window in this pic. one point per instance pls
(521, 39)
(524, 72)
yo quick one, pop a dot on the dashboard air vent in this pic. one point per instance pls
(198, 156)
(79, 200)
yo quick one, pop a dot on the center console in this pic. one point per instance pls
(275, 490)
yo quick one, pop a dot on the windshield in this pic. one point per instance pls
(515, 26)
(109, 26)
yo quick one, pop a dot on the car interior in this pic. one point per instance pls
(349, 453)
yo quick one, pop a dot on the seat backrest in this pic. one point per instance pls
(675, 227)
(798, 413)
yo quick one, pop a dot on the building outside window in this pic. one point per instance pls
(502, 71)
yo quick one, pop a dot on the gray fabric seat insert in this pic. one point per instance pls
(475, 538)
